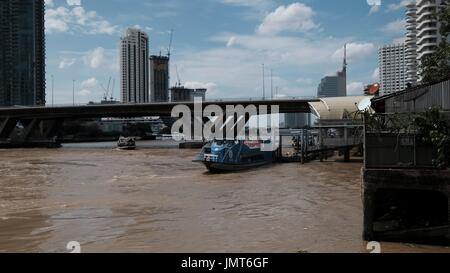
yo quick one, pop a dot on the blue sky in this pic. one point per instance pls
(221, 44)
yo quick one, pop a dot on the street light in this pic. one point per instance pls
(264, 81)
(73, 93)
(53, 90)
(271, 83)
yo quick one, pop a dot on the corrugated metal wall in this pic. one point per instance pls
(421, 99)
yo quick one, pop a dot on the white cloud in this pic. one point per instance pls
(75, 19)
(355, 51)
(89, 83)
(49, 3)
(398, 6)
(399, 40)
(395, 27)
(98, 58)
(210, 86)
(237, 71)
(85, 92)
(374, 9)
(74, 2)
(87, 87)
(283, 50)
(376, 74)
(56, 20)
(355, 89)
(296, 17)
(375, 6)
(231, 41)
(66, 62)
(95, 58)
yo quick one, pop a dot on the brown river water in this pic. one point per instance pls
(156, 199)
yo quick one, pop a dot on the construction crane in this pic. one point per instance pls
(169, 49)
(108, 91)
(178, 77)
(112, 90)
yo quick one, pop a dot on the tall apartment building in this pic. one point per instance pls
(334, 86)
(423, 33)
(134, 65)
(393, 72)
(159, 78)
(411, 43)
(22, 52)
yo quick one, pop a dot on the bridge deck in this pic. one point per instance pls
(137, 110)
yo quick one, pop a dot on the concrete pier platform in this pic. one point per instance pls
(406, 205)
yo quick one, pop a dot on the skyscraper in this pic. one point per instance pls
(423, 33)
(22, 52)
(159, 78)
(393, 72)
(334, 86)
(134, 64)
(411, 43)
(428, 35)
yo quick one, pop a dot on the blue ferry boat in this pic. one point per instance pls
(234, 155)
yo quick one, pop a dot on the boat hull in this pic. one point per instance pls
(215, 167)
(128, 148)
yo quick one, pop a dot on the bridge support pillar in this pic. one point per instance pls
(29, 129)
(51, 128)
(347, 155)
(7, 126)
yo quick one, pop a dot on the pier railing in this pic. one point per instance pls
(407, 140)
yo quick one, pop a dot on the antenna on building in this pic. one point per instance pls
(345, 57)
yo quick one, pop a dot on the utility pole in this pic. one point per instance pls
(271, 83)
(73, 93)
(53, 90)
(264, 81)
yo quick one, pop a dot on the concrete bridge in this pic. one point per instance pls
(41, 124)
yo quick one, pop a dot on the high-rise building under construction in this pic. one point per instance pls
(159, 78)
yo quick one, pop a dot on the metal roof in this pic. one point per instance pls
(336, 108)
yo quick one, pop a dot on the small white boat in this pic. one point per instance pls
(126, 143)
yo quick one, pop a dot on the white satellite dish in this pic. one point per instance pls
(365, 104)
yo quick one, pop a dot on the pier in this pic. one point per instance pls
(317, 143)
(405, 190)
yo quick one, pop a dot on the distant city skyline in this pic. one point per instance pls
(223, 46)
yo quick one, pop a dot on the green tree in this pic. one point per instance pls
(436, 67)
(443, 17)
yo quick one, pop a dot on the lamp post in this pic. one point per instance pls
(73, 93)
(53, 90)
(271, 83)
(264, 81)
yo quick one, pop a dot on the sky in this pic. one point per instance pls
(221, 44)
